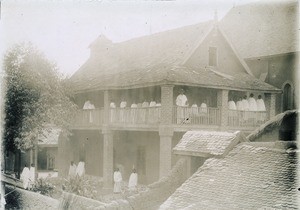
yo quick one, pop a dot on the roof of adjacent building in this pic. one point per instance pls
(273, 123)
(207, 143)
(249, 177)
(263, 29)
(49, 137)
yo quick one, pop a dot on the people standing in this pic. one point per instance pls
(89, 106)
(133, 112)
(118, 181)
(80, 170)
(260, 104)
(25, 176)
(246, 108)
(231, 104)
(133, 180)
(252, 103)
(112, 107)
(32, 176)
(72, 170)
(181, 102)
(123, 105)
(239, 105)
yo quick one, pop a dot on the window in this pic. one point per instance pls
(212, 56)
(287, 97)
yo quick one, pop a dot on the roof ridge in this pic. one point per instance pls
(162, 32)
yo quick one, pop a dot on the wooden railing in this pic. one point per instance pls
(181, 115)
(246, 118)
(89, 117)
(196, 115)
(148, 115)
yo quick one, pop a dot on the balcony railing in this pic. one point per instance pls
(196, 115)
(181, 115)
(148, 115)
(89, 117)
(246, 118)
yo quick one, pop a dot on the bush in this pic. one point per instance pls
(43, 186)
(80, 186)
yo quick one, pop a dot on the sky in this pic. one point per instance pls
(63, 29)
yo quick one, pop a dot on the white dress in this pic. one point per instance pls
(25, 176)
(261, 105)
(252, 104)
(118, 181)
(80, 170)
(132, 183)
(72, 171)
(181, 101)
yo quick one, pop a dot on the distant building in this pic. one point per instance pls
(199, 59)
(43, 156)
(266, 36)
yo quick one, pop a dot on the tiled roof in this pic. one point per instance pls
(249, 177)
(49, 137)
(164, 48)
(263, 29)
(179, 75)
(207, 143)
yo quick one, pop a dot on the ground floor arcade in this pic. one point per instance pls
(149, 152)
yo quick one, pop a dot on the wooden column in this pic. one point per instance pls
(107, 158)
(222, 102)
(106, 107)
(166, 104)
(165, 150)
(270, 102)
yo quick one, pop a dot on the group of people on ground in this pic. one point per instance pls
(28, 176)
(118, 181)
(76, 171)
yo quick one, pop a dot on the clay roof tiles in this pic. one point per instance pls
(249, 177)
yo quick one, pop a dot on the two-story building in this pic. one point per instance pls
(198, 59)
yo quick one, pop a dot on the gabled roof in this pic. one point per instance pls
(164, 48)
(177, 75)
(207, 143)
(263, 29)
(249, 177)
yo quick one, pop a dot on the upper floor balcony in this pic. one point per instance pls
(182, 118)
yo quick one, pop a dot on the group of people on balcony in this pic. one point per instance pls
(136, 112)
(186, 114)
(250, 104)
(246, 109)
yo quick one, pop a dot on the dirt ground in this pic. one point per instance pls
(24, 199)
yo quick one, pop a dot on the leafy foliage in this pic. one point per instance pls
(80, 186)
(36, 96)
(43, 187)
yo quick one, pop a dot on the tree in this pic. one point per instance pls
(36, 95)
